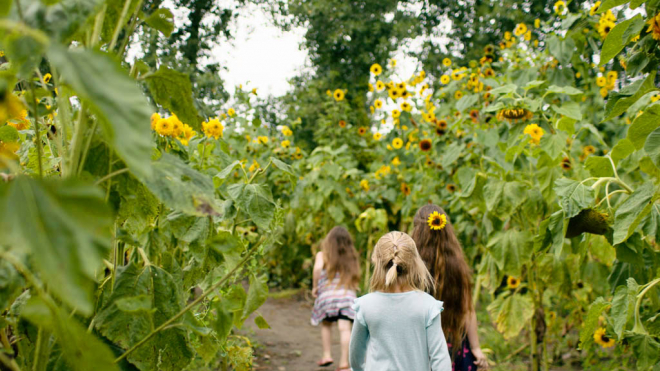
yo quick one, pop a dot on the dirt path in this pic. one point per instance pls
(292, 343)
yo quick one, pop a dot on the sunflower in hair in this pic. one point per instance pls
(437, 221)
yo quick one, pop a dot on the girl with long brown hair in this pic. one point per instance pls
(442, 253)
(336, 277)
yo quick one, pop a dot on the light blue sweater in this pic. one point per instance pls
(398, 332)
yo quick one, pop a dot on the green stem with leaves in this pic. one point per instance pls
(211, 289)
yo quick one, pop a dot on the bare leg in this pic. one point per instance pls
(345, 328)
(326, 336)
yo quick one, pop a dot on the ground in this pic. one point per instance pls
(292, 343)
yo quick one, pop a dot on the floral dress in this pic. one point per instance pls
(463, 359)
(333, 301)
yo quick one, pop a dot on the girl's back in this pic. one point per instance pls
(402, 330)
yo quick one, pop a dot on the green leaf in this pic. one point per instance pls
(502, 198)
(609, 4)
(652, 146)
(80, 348)
(623, 306)
(511, 313)
(172, 90)
(599, 166)
(511, 249)
(256, 200)
(224, 320)
(467, 101)
(567, 124)
(181, 188)
(573, 196)
(120, 106)
(11, 284)
(618, 103)
(161, 20)
(451, 154)
(622, 149)
(646, 349)
(8, 134)
(261, 323)
(168, 349)
(504, 89)
(65, 225)
(220, 178)
(569, 90)
(286, 168)
(551, 233)
(590, 322)
(257, 294)
(631, 212)
(553, 145)
(561, 49)
(619, 37)
(534, 84)
(569, 109)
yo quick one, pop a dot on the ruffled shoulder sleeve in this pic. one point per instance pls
(359, 314)
(435, 309)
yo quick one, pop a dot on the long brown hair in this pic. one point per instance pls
(444, 258)
(340, 256)
(396, 261)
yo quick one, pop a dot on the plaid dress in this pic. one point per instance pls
(332, 300)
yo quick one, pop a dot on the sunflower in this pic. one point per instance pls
(535, 132)
(397, 143)
(537, 23)
(231, 112)
(474, 114)
(458, 95)
(396, 161)
(377, 136)
(376, 69)
(521, 29)
(393, 62)
(654, 26)
(514, 114)
(437, 221)
(451, 188)
(378, 104)
(396, 113)
(286, 143)
(601, 81)
(380, 85)
(370, 87)
(446, 62)
(489, 49)
(512, 282)
(364, 184)
(425, 145)
(605, 27)
(594, 8)
(164, 127)
(601, 338)
(154, 120)
(47, 78)
(588, 150)
(342, 124)
(560, 7)
(604, 92)
(489, 72)
(262, 139)
(566, 164)
(339, 95)
(362, 130)
(405, 189)
(405, 106)
(441, 124)
(394, 94)
(528, 35)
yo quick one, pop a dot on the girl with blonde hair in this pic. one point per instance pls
(397, 326)
(442, 253)
(336, 277)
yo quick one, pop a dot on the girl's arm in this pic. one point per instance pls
(473, 338)
(357, 352)
(318, 267)
(438, 352)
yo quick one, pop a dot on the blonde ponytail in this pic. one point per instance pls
(396, 261)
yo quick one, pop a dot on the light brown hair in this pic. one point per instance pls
(396, 261)
(443, 256)
(340, 256)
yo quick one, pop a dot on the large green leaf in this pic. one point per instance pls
(172, 90)
(511, 249)
(11, 284)
(599, 166)
(121, 108)
(257, 294)
(551, 233)
(256, 200)
(82, 351)
(619, 37)
(143, 299)
(161, 20)
(574, 196)
(652, 146)
(644, 125)
(65, 225)
(631, 212)
(622, 149)
(561, 49)
(569, 109)
(181, 188)
(553, 145)
(511, 313)
(590, 322)
(618, 103)
(502, 198)
(647, 351)
(609, 4)
(623, 306)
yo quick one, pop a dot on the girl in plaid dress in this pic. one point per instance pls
(336, 277)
